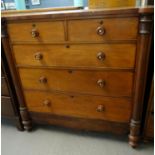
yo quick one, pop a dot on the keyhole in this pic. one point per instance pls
(67, 46)
(70, 71)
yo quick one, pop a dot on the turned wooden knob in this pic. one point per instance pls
(100, 108)
(38, 56)
(43, 80)
(101, 56)
(100, 31)
(101, 83)
(34, 33)
(46, 102)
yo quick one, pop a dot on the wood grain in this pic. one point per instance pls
(115, 109)
(117, 83)
(85, 30)
(48, 31)
(116, 55)
(80, 123)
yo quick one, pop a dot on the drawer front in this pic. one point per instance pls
(93, 82)
(6, 106)
(36, 31)
(103, 29)
(89, 55)
(112, 109)
(4, 87)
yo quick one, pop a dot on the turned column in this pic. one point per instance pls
(16, 81)
(143, 49)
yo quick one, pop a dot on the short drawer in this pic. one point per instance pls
(4, 87)
(93, 107)
(88, 55)
(6, 106)
(106, 83)
(103, 29)
(36, 31)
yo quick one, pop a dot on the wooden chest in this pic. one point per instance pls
(80, 69)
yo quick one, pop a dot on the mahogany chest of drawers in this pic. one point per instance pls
(82, 69)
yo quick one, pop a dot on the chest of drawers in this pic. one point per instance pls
(81, 69)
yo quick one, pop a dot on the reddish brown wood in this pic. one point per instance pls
(143, 48)
(79, 75)
(76, 105)
(115, 12)
(80, 123)
(118, 55)
(106, 83)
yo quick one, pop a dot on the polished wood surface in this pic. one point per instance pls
(143, 52)
(80, 123)
(87, 55)
(86, 30)
(90, 13)
(47, 31)
(115, 109)
(78, 81)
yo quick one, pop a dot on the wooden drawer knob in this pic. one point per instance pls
(101, 83)
(43, 80)
(38, 56)
(34, 33)
(101, 56)
(100, 108)
(46, 102)
(100, 31)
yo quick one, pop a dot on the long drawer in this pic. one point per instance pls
(37, 31)
(104, 108)
(103, 29)
(105, 83)
(87, 55)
